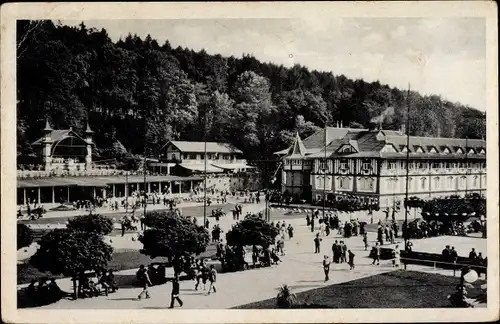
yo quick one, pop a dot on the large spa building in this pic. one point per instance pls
(371, 165)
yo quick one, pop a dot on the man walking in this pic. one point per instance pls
(326, 267)
(212, 277)
(317, 242)
(351, 260)
(143, 276)
(175, 292)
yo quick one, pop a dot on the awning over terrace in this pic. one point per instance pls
(233, 166)
(200, 167)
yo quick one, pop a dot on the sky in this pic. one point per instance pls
(442, 56)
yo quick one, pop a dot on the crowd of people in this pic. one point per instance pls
(420, 228)
(475, 260)
(43, 292)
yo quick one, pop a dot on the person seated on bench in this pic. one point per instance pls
(54, 292)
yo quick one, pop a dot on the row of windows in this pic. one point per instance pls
(435, 165)
(365, 184)
(438, 183)
(210, 156)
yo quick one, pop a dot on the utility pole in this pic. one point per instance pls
(324, 177)
(144, 164)
(466, 165)
(205, 170)
(407, 166)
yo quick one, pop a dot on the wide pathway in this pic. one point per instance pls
(301, 269)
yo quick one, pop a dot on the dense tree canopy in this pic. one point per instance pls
(454, 207)
(134, 90)
(71, 252)
(252, 230)
(91, 223)
(172, 236)
(24, 236)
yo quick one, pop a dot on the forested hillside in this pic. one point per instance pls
(135, 86)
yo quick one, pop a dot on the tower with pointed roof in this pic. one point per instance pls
(298, 147)
(47, 145)
(88, 139)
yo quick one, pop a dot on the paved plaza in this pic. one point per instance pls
(300, 268)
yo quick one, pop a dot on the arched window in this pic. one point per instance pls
(456, 184)
(423, 183)
(450, 183)
(436, 182)
(344, 182)
(475, 182)
(463, 182)
(410, 184)
(366, 184)
(321, 182)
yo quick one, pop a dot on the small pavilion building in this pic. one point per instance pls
(64, 149)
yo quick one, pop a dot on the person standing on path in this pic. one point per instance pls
(351, 260)
(343, 252)
(290, 231)
(376, 254)
(317, 243)
(396, 255)
(175, 292)
(312, 224)
(143, 276)
(212, 277)
(326, 267)
(334, 251)
(365, 241)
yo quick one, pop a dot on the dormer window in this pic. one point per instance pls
(433, 150)
(389, 148)
(419, 149)
(482, 151)
(460, 151)
(404, 149)
(472, 151)
(446, 150)
(346, 149)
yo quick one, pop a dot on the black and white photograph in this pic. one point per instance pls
(237, 157)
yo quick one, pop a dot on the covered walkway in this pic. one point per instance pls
(69, 189)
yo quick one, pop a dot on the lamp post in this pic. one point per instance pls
(126, 191)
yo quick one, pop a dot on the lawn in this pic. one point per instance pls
(397, 289)
(123, 259)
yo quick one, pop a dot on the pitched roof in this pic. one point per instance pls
(58, 135)
(297, 146)
(317, 140)
(199, 147)
(374, 141)
(436, 141)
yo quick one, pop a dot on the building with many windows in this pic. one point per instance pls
(226, 168)
(371, 165)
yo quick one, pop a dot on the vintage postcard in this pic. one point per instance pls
(249, 162)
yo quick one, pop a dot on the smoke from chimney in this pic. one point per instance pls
(388, 112)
